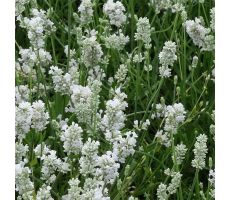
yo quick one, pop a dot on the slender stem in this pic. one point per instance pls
(193, 184)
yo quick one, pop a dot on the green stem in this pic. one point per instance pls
(193, 184)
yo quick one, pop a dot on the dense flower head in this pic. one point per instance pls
(23, 119)
(20, 6)
(86, 11)
(162, 5)
(167, 57)
(108, 168)
(38, 26)
(40, 116)
(71, 136)
(44, 193)
(20, 151)
(91, 51)
(116, 41)
(50, 164)
(143, 31)
(124, 146)
(173, 115)
(164, 191)
(115, 12)
(89, 157)
(180, 151)
(114, 117)
(62, 82)
(22, 93)
(24, 185)
(196, 31)
(176, 179)
(200, 151)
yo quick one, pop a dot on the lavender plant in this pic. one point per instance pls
(114, 100)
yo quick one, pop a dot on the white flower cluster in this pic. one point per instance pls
(173, 115)
(86, 10)
(44, 193)
(41, 149)
(23, 116)
(22, 93)
(51, 164)
(108, 168)
(141, 126)
(62, 82)
(121, 73)
(178, 7)
(91, 51)
(194, 61)
(200, 35)
(115, 12)
(71, 136)
(164, 191)
(30, 58)
(124, 146)
(180, 151)
(38, 27)
(116, 41)
(200, 151)
(166, 58)
(24, 186)
(85, 99)
(27, 60)
(81, 99)
(175, 182)
(196, 31)
(93, 189)
(160, 108)
(111, 124)
(89, 157)
(95, 75)
(74, 192)
(30, 116)
(138, 58)
(20, 151)
(71, 55)
(162, 5)
(40, 116)
(209, 43)
(144, 32)
(101, 167)
(113, 120)
(105, 167)
(20, 6)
